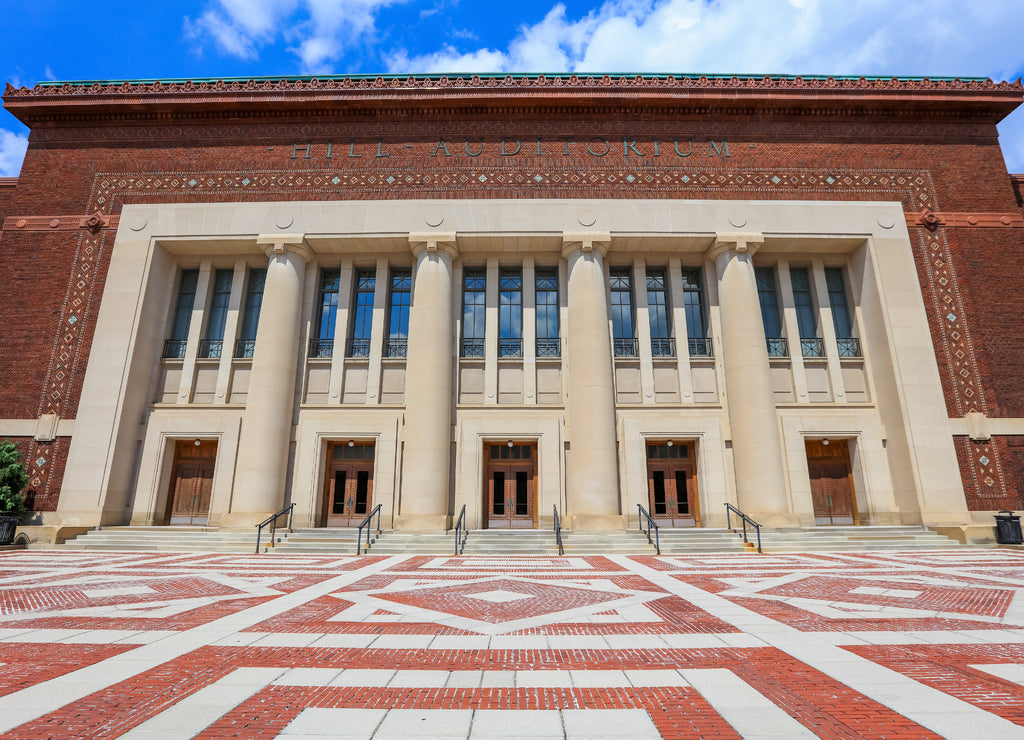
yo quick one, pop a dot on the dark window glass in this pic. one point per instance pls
(398, 310)
(398, 314)
(329, 282)
(499, 493)
(522, 500)
(658, 483)
(693, 302)
(338, 505)
(682, 502)
(837, 301)
(765, 277)
(547, 304)
(362, 304)
(622, 303)
(803, 302)
(510, 304)
(219, 304)
(253, 304)
(362, 490)
(657, 305)
(474, 288)
(183, 308)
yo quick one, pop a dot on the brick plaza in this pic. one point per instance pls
(148, 645)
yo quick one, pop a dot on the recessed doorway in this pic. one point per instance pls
(828, 463)
(672, 484)
(510, 490)
(188, 500)
(348, 490)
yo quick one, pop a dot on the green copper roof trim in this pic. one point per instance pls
(495, 75)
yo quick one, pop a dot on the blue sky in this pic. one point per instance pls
(65, 40)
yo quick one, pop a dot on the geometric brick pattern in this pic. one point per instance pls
(925, 644)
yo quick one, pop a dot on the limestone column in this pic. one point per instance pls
(756, 445)
(428, 386)
(592, 495)
(266, 426)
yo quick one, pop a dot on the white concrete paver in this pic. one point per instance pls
(560, 676)
(35, 701)
(751, 714)
(196, 712)
(943, 714)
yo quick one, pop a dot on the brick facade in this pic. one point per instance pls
(931, 148)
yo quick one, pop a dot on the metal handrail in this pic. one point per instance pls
(461, 530)
(272, 522)
(746, 519)
(558, 530)
(650, 526)
(366, 523)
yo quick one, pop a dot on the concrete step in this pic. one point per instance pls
(342, 541)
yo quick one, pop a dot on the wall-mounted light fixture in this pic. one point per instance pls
(351, 443)
(825, 441)
(670, 443)
(197, 442)
(510, 443)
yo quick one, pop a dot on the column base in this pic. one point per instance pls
(87, 519)
(49, 534)
(245, 520)
(595, 521)
(769, 519)
(441, 522)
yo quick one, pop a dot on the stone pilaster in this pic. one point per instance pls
(592, 496)
(756, 445)
(266, 426)
(428, 386)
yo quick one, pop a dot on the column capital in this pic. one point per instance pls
(280, 243)
(733, 241)
(443, 242)
(586, 241)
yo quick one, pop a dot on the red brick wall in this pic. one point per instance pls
(993, 472)
(7, 186)
(945, 167)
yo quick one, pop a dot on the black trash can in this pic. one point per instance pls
(1008, 529)
(8, 526)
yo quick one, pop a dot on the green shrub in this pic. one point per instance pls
(13, 479)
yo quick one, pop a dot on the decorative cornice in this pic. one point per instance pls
(519, 81)
(932, 220)
(127, 99)
(93, 222)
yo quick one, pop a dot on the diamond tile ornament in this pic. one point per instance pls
(497, 600)
(40, 462)
(983, 460)
(500, 596)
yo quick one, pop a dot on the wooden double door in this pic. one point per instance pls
(831, 482)
(348, 490)
(188, 500)
(511, 486)
(672, 484)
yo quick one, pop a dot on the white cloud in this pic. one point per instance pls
(12, 152)
(1011, 139)
(862, 37)
(937, 37)
(319, 31)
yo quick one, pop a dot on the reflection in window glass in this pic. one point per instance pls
(622, 303)
(769, 299)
